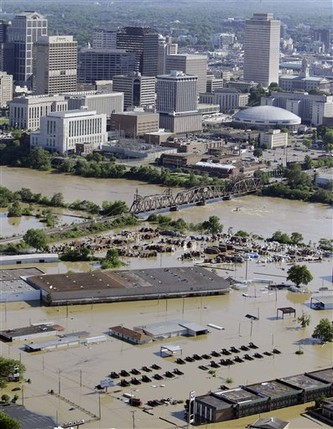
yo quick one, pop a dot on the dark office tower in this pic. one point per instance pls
(4, 25)
(6, 49)
(103, 64)
(26, 29)
(144, 42)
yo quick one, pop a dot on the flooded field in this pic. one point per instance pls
(11, 226)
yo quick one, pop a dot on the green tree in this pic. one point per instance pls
(114, 208)
(36, 238)
(57, 200)
(304, 320)
(296, 238)
(258, 152)
(280, 237)
(7, 368)
(7, 422)
(299, 274)
(297, 178)
(326, 244)
(308, 162)
(324, 330)
(307, 142)
(212, 225)
(5, 397)
(14, 210)
(255, 94)
(76, 254)
(111, 260)
(328, 139)
(39, 159)
(26, 195)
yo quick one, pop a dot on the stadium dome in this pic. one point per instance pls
(266, 117)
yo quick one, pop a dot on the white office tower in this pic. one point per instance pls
(26, 29)
(189, 64)
(262, 49)
(177, 102)
(55, 65)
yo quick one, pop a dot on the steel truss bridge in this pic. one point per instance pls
(199, 195)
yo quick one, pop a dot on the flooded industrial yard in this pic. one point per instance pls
(75, 371)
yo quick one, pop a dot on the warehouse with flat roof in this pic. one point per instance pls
(13, 286)
(128, 285)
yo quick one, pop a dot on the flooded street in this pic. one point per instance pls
(74, 372)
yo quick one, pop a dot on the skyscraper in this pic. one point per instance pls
(139, 91)
(25, 30)
(103, 64)
(55, 64)
(144, 42)
(104, 39)
(177, 102)
(262, 49)
(189, 64)
(176, 93)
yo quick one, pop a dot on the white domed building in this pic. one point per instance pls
(266, 117)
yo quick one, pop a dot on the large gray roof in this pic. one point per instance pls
(266, 114)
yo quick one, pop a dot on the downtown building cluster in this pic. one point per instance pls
(135, 79)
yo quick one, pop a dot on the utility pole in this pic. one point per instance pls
(133, 419)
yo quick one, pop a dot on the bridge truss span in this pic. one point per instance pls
(198, 195)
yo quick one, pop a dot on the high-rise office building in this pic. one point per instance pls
(6, 88)
(6, 48)
(139, 91)
(55, 64)
(144, 42)
(189, 64)
(104, 39)
(26, 29)
(166, 47)
(103, 64)
(177, 102)
(262, 49)
(176, 93)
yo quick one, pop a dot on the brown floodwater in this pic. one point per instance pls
(76, 371)
(251, 213)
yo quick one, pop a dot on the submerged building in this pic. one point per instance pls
(128, 285)
(261, 397)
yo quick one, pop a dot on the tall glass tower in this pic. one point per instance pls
(25, 30)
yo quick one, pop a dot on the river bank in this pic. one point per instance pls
(259, 215)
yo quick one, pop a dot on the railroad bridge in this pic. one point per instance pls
(199, 195)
